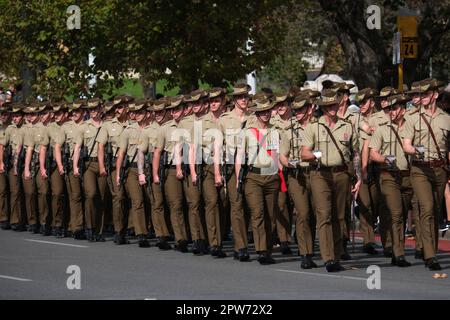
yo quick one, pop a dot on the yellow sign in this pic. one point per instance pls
(407, 26)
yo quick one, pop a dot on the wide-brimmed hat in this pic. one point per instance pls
(45, 106)
(78, 103)
(59, 106)
(241, 89)
(216, 92)
(387, 92)
(301, 101)
(92, 103)
(137, 105)
(160, 104)
(279, 98)
(260, 95)
(367, 93)
(195, 95)
(123, 98)
(260, 105)
(328, 98)
(397, 99)
(342, 87)
(175, 102)
(32, 108)
(310, 93)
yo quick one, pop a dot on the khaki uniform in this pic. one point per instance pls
(14, 136)
(231, 127)
(331, 183)
(111, 132)
(395, 185)
(299, 188)
(130, 139)
(282, 221)
(211, 194)
(368, 195)
(4, 212)
(93, 183)
(56, 135)
(156, 196)
(262, 183)
(168, 136)
(192, 194)
(428, 178)
(71, 131)
(35, 136)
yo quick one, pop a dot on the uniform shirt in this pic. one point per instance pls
(35, 136)
(149, 137)
(14, 136)
(417, 131)
(56, 134)
(377, 118)
(295, 136)
(72, 132)
(169, 134)
(187, 123)
(204, 136)
(232, 129)
(110, 132)
(3, 134)
(317, 137)
(258, 153)
(387, 143)
(350, 116)
(87, 132)
(130, 139)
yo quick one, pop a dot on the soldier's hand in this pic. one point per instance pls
(117, 181)
(355, 189)
(194, 179)
(103, 172)
(142, 180)
(61, 170)
(76, 173)
(27, 174)
(180, 174)
(2, 168)
(156, 179)
(218, 181)
(44, 174)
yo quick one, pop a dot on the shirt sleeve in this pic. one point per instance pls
(308, 139)
(123, 142)
(377, 140)
(409, 129)
(284, 143)
(160, 138)
(144, 142)
(102, 137)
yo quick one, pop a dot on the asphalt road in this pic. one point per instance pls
(34, 267)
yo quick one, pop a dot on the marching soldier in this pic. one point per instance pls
(367, 199)
(232, 124)
(156, 195)
(193, 113)
(127, 171)
(261, 146)
(282, 221)
(426, 139)
(51, 166)
(92, 181)
(5, 117)
(108, 147)
(330, 143)
(168, 147)
(207, 153)
(299, 187)
(35, 135)
(394, 174)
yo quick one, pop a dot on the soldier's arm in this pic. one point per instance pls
(28, 156)
(408, 138)
(58, 158)
(192, 159)
(42, 156)
(306, 153)
(101, 158)
(365, 158)
(374, 146)
(155, 164)
(76, 158)
(120, 157)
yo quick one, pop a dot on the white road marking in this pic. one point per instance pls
(58, 243)
(14, 278)
(323, 275)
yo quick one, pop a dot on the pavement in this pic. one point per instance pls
(35, 267)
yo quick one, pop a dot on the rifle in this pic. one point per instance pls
(124, 168)
(199, 171)
(148, 168)
(223, 171)
(7, 155)
(66, 158)
(108, 157)
(33, 164)
(20, 162)
(81, 161)
(162, 169)
(49, 163)
(241, 178)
